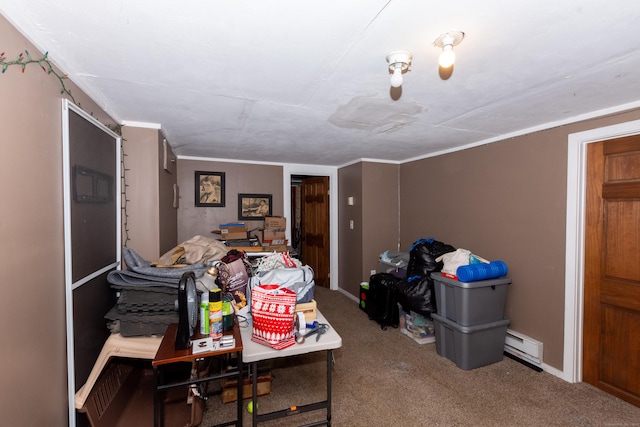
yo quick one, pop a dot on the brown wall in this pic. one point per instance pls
(502, 201)
(141, 148)
(152, 221)
(380, 213)
(507, 201)
(374, 187)
(350, 241)
(167, 212)
(239, 178)
(33, 373)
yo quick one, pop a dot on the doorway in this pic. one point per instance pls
(612, 273)
(310, 235)
(331, 172)
(575, 241)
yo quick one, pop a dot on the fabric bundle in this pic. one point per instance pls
(147, 301)
(287, 272)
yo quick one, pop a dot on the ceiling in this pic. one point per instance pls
(296, 81)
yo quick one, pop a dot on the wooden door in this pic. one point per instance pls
(315, 227)
(611, 352)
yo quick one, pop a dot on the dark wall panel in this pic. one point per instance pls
(92, 157)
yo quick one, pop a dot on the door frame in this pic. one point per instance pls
(290, 169)
(575, 234)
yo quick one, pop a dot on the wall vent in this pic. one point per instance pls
(523, 347)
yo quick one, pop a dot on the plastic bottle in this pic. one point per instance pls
(215, 314)
(227, 312)
(208, 279)
(204, 313)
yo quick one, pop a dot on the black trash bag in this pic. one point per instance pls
(422, 257)
(417, 294)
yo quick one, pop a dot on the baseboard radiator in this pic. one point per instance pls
(523, 347)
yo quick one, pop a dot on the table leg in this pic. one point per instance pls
(240, 389)
(158, 409)
(329, 359)
(254, 392)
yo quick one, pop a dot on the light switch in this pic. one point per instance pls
(350, 200)
(351, 224)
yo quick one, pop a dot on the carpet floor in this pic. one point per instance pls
(383, 378)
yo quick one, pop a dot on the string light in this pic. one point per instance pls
(43, 62)
(22, 61)
(123, 191)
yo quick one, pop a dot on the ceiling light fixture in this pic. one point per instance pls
(447, 41)
(399, 62)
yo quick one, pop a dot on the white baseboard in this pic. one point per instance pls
(350, 296)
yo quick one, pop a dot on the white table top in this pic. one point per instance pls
(254, 352)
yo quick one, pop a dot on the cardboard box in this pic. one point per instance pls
(276, 223)
(248, 249)
(274, 237)
(230, 388)
(233, 231)
(309, 310)
(275, 248)
(274, 231)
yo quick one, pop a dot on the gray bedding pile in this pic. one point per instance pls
(148, 295)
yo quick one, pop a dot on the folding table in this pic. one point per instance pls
(255, 352)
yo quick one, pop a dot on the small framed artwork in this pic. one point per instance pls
(209, 189)
(253, 207)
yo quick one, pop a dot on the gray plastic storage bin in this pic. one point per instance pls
(470, 303)
(396, 270)
(470, 347)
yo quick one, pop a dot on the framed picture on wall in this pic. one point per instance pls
(209, 189)
(253, 207)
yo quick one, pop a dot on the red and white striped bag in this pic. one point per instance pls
(273, 311)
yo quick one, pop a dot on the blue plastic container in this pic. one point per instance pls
(476, 272)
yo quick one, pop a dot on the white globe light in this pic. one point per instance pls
(396, 77)
(447, 57)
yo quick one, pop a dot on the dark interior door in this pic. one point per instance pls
(611, 352)
(315, 227)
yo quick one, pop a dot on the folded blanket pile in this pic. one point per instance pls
(147, 303)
